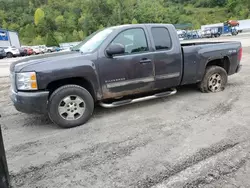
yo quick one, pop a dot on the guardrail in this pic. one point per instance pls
(4, 173)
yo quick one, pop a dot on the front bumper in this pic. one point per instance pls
(238, 68)
(30, 102)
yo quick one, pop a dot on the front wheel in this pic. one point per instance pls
(70, 106)
(214, 80)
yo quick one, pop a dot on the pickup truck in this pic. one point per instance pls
(116, 66)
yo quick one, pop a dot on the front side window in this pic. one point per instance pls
(161, 38)
(134, 40)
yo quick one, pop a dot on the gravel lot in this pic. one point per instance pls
(187, 140)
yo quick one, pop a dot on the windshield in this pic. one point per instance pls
(93, 41)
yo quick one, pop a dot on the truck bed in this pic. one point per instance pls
(199, 43)
(196, 55)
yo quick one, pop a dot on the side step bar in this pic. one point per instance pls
(131, 101)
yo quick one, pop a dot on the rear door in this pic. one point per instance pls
(167, 57)
(129, 73)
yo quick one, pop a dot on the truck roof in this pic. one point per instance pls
(138, 25)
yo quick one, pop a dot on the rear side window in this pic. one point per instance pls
(161, 38)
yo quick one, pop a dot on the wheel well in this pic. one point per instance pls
(76, 81)
(224, 63)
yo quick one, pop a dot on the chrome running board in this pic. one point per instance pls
(131, 101)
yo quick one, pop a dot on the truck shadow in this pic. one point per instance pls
(181, 91)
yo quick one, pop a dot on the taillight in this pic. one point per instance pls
(240, 54)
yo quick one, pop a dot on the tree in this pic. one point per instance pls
(134, 21)
(4, 24)
(60, 23)
(75, 36)
(38, 40)
(66, 21)
(39, 15)
(81, 34)
(50, 40)
(14, 27)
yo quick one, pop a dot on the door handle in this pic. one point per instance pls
(145, 60)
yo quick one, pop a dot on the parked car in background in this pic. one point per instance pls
(58, 49)
(51, 49)
(199, 32)
(29, 51)
(23, 51)
(215, 32)
(192, 34)
(210, 33)
(36, 50)
(11, 51)
(2, 53)
(181, 34)
(43, 49)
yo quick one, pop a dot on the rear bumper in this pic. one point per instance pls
(2, 55)
(30, 102)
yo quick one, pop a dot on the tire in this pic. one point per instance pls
(210, 82)
(9, 55)
(68, 93)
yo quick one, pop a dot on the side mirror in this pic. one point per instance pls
(115, 49)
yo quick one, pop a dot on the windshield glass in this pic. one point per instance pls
(93, 41)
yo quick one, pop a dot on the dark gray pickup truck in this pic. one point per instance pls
(117, 66)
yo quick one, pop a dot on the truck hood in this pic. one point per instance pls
(53, 58)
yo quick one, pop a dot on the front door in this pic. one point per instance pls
(129, 73)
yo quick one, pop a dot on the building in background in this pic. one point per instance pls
(9, 38)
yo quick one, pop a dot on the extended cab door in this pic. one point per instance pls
(167, 56)
(129, 73)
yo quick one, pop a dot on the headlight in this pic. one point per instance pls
(26, 81)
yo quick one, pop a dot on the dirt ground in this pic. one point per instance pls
(190, 139)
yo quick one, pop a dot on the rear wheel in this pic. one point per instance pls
(70, 106)
(9, 55)
(214, 80)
